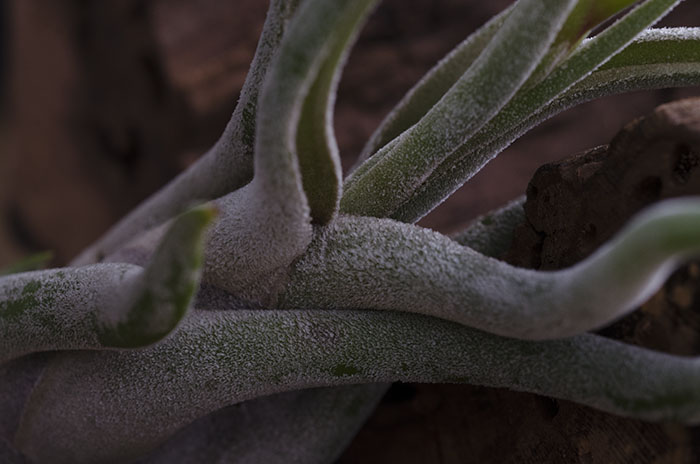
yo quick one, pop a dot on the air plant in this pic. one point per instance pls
(310, 280)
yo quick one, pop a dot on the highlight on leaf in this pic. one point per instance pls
(490, 82)
(383, 264)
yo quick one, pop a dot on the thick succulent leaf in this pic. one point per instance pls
(384, 264)
(114, 406)
(490, 82)
(297, 427)
(466, 160)
(428, 91)
(104, 305)
(658, 58)
(492, 233)
(244, 433)
(265, 225)
(227, 166)
(316, 145)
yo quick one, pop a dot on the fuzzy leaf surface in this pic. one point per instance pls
(465, 159)
(383, 264)
(489, 83)
(104, 305)
(658, 58)
(221, 358)
(316, 145)
(265, 225)
(430, 89)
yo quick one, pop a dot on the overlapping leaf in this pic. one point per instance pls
(658, 58)
(490, 82)
(216, 359)
(384, 264)
(104, 305)
(265, 225)
(458, 160)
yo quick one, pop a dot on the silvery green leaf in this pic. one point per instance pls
(104, 305)
(316, 145)
(489, 83)
(265, 225)
(428, 91)
(465, 160)
(123, 404)
(658, 58)
(244, 433)
(586, 15)
(227, 166)
(362, 262)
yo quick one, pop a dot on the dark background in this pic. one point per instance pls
(104, 101)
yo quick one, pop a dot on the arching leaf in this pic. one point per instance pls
(428, 91)
(104, 305)
(384, 264)
(490, 82)
(134, 400)
(658, 58)
(265, 225)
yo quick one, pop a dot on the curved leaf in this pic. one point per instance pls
(309, 425)
(265, 225)
(658, 58)
(133, 400)
(491, 81)
(383, 264)
(428, 91)
(227, 166)
(463, 160)
(585, 15)
(677, 67)
(104, 305)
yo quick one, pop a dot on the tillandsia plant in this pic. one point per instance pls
(313, 280)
